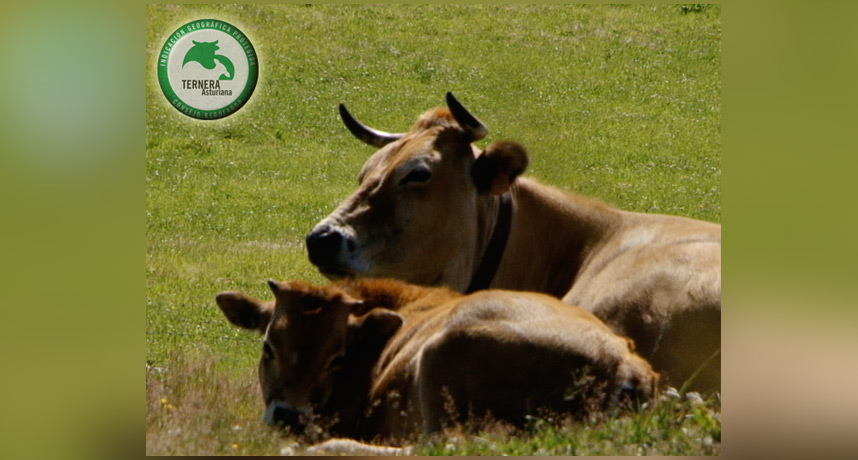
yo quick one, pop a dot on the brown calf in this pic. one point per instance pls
(385, 360)
(433, 209)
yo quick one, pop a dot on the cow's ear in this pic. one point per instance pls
(381, 323)
(496, 169)
(245, 311)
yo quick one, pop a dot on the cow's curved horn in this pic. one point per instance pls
(471, 124)
(366, 134)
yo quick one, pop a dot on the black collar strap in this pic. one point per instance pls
(494, 251)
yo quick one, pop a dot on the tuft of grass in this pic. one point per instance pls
(670, 426)
(620, 103)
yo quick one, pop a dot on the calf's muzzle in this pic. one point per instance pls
(280, 414)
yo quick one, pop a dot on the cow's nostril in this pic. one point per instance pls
(323, 246)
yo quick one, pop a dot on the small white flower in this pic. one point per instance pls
(694, 398)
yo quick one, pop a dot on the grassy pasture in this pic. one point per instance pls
(621, 103)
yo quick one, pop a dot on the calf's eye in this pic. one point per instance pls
(267, 352)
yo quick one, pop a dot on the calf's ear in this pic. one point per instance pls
(497, 167)
(245, 311)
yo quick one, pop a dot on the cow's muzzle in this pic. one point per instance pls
(325, 247)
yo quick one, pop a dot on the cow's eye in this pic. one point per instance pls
(416, 177)
(267, 352)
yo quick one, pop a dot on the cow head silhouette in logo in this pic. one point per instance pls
(204, 53)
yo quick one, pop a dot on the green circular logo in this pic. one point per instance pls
(207, 69)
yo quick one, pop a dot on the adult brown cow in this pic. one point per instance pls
(381, 359)
(433, 209)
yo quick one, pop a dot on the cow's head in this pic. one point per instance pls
(319, 345)
(415, 213)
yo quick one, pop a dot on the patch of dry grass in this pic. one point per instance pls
(194, 409)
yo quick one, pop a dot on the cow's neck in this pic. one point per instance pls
(551, 235)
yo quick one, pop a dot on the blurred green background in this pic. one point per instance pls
(73, 171)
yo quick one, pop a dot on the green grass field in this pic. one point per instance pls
(621, 103)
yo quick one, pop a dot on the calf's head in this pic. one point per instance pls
(415, 213)
(319, 344)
